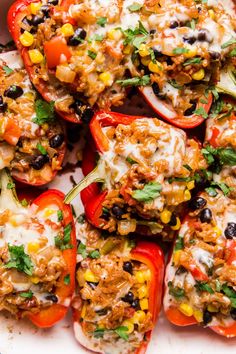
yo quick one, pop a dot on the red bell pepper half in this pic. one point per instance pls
(185, 316)
(151, 255)
(166, 111)
(16, 14)
(50, 315)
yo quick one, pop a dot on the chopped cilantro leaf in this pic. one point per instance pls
(200, 111)
(228, 43)
(203, 286)
(27, 294)
(101, 21)
(19, 260)
(135, 81)
(175, 291)
(92, 54)
(67, 279)
(10, 185)
(135, 7)
(179, 51)
(179, 244)
(63, 243)
(59, 215)
(99, 333)
(192, 61)
(41, 149)
(130, 160)
(24, 202)
(44, 112)
(94, 254)
(81, 219)
(7, 70)
(149, 192)
(82, 250)
(122, 332)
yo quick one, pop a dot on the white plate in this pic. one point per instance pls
(23, 338)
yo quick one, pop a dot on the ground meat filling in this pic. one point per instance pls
(178, 47)
(31, 265)
(114, 289)
(149, 172)
(201, 279)
(32, 143)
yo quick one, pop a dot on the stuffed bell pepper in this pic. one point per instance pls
(38, 255)
(119, 292)
(32, 142)
(220, 145)
(148, 169)
(85, 54)
(200, 283)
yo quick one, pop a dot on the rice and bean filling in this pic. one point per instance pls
(31, 261)
(114, 289)
(205, 250)
(40, 143)
(149, 171)
(178, 47)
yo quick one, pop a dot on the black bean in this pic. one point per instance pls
(105, 214)
(14, 92)
(207, 317)
(230, 231)
(26, 21)
(129, 297)
(173, 220)
(136, 305)
(190, 110)
(205, 215)
(92, 285)
(197, 203)
(128, 267)
(52, 298)
(85, 112)
(204, 36)
(174, 24)
(157, 53)
(189, 39)
(39, 161)
(37, 19)
(45, 10)
(20, 143)
(53, 2)
(56, 141)
(233, 314)
(3, 105)
(215, 55)
(157, 92)
(117, 211)
(180, 270)
(78, 36)
(102, 312)
(152, 31)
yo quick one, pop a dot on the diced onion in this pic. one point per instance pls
(65, 74)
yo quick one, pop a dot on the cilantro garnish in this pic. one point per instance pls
(44, 112)
(19, 260)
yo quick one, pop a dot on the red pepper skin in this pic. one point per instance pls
(152, 256)
(167, 112)
(50, 316)
(16, 13)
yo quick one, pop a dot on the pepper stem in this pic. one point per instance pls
(93, 176)
(8, 196)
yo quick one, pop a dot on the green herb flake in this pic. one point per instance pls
(135, 7)
(59, 215)
(178, 51)
(211, 191)
(101, 21)
(81, 219)
(24, 202)
(44, 112)
(149, 192)
(27, 294)
(66, 279)
(179, 244)
(223, 186)
(204, 286)
(175, 84)
(175, 291)
(99, 333)
(231, 293)
(98, 37)
(10, 185)
(92, 54)
(130, 160)
(233, 53)
(189, 168)
(82, 250)
(135, 81)
(122, 332)
(41, 149)
(200, 111)
(192, 61)
(64, 243)
(94, 254)
(7, 70)
(228, 43)
(19, 260)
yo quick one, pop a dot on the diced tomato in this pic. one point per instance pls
(56, 51)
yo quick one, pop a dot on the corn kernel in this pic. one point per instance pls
(191, 53)
(100, 58)
(165, 216)
(106, 78)
(177, 226)
(176, 257)
(139, 317)
(45, 126)
(145, 60)
(144, 304)
(155, 67)
(129, 324)
(34, 280)
(212, 308)
(89, 276)
(48, 212)
(199, 75)
(67, 30)
(198, 315)
(211, 14)
(33, 247)
(186, 309)
(142, 292)
(83, 311)
(114, 34)
(127, 49)
(147, 275)
(140, 277)
(35, 7)
(190, 185)
(217, 230)
(26, 39)
(35, 56)
(143, 50)
(187, 195)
